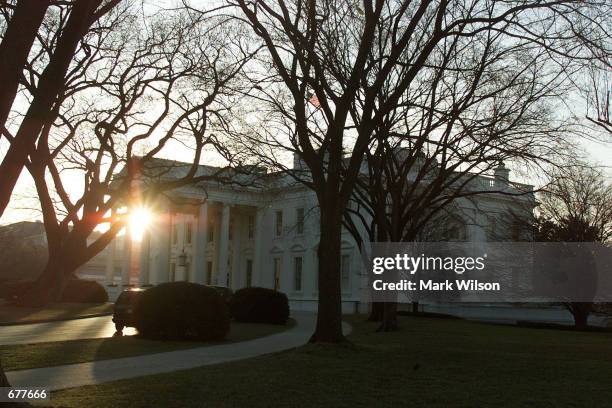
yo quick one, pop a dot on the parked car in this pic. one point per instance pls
(123, 315)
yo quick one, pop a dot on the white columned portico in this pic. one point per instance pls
(224, 246)
(201, 243)
(257, 272)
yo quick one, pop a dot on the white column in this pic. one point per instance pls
(145, 244)
(127, 258)
(236, 265)
(161, 246)
(180, 271)
(223, 246)
(217, 226)
(110, 261)
(200, 245)
(257, 255)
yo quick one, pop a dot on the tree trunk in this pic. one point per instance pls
(49, 286)
(18, 39)
(376, 312)
(581, 312)
(389, 321)
(329, 316)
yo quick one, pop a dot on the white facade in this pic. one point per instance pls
(260, 236)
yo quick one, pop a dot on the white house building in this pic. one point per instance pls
(266, 234)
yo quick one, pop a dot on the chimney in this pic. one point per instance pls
(502, 175)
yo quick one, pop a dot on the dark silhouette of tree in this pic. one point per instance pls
(22, 21)
(72, 23)
(135, 94)
(576, 207)
(331, 71)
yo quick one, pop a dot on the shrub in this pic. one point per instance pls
(260, 305)
(13, 290)
(84, 291)
(182, 311)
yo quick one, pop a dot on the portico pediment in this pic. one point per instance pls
(297, 248)
(276, 250)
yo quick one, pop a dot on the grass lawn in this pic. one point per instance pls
(19, 357)
(429, 363)
(54, 311)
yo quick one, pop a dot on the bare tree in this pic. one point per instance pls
(467, 112)
(22, 21)
(598, 97)
(70, 24)
(579, 194)
(141, 89)
(324, 76)
(576, 207)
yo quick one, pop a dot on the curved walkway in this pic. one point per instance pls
(75, 329)
(96, 372)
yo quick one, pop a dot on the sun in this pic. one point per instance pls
(139, 221)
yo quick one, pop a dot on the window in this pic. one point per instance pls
(209, 273)
(297, 273)
(188, 232)
(299, 224)
(345, 268)
(277, 272)
(175, 234)
(172, 276)
(279, 224)
(211, 233)
(251, 226)
(249, 273)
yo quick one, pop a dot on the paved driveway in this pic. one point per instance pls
(90, 328)
(96, 372)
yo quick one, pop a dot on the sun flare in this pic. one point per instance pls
(140, 219)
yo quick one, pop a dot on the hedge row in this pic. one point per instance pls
(182, 311)
(75, 291)
(260, 305)
(84, 291)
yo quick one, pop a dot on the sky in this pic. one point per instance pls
(23, 205)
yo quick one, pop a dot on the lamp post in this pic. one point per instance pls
(182, 262)
(182, 258)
